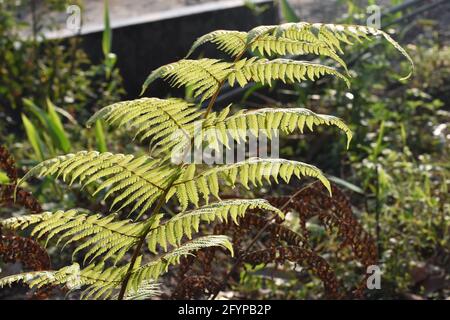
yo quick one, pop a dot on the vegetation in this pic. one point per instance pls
(146, 219)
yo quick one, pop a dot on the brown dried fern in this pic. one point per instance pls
(283, 244)
(23, 198)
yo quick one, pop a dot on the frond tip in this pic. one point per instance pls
(203, 76)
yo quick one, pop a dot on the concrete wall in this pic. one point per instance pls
(146, 45)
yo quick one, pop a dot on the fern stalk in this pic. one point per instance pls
(161, 200)
(141, 241)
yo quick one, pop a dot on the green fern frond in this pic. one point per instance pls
(286, 70)
(104, 237)
(332, 34)
(235, 43)
(69, 276)
(188, 187)
(230, 42)
(185, 223)
(205, 76)
(161, 264)
(202, 76)
(101, 283)
(266, 121)
(158, 119)
(132, 180)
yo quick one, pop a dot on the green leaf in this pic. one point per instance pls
(288, 12)
(57, 128)
(100, 136)
(107, 34)
(33, 137)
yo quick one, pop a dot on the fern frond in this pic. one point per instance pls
(203, 76)
(101, 283)
(158, 119)
(332, 34)
(188, 187)
(133, 180)
(69, 276)
(104, 237)
(235, 43)
(161, 264)
(185, 223)
(266, 121)
(286, 70)
(230, 42)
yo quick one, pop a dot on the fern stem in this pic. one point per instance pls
(216, 94)
(161, 201)
(141, 241)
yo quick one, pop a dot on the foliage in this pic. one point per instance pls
(146, 183)
(37, 75)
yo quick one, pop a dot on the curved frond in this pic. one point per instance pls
(235, 43)
(104, 237)
(230, 42)
(132, 180)
(157, 119)
(189, 186)
(147, 289)
(266, 121)
(203, 76)
(286, 70)
(155, 268)
(100, 282)
(332, 34)
(185, 223)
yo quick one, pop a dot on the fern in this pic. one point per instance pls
(153, 118)
(254, 170)
(296, 38)
(142, 185)
(266, 121)
(185, 223)
(235, 42)
(106, 237)
(205, 76)
(100, 282)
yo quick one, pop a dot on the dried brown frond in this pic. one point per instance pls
(27, 251)
(333, 212)
(301, 256)
(23, 198)
(8, 165)
(194, 287)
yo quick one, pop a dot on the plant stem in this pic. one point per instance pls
(162, 198)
